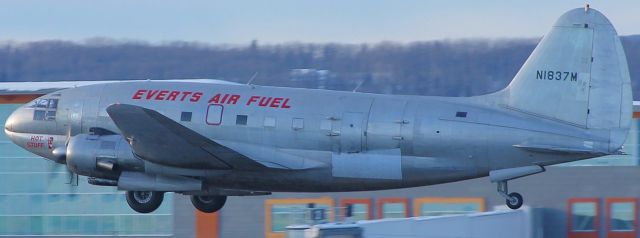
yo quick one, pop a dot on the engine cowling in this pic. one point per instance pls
(101, 156)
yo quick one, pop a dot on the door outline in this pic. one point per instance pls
(206, 117)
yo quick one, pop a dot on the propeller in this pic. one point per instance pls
(61, 157)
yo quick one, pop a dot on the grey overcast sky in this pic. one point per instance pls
(275, 21)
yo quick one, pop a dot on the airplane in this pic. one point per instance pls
(571, 100)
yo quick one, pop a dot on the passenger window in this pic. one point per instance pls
(214, 114)
(241, 120)
(185, 116)
(269, 122)
(297, 124)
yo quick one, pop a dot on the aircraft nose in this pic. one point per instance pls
(8, 124)
(18, 121)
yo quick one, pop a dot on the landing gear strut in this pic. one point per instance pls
(501, 176)
(513, 200)
(208, 204)
(144, 201)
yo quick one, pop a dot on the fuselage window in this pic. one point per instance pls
(269, 122)
(241, 120)
(297, 124)
(45, 109)
(185, 116)
(461, 114)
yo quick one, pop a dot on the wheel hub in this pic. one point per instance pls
(142, 196)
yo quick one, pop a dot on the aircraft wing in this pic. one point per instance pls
(156, 138)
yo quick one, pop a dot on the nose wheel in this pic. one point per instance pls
(513, 200)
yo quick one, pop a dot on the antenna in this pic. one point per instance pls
(358, 86)
(252, 78)
(586, 7)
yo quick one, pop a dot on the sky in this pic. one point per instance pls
(279, 21)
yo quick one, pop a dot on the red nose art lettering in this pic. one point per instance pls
(50, 142)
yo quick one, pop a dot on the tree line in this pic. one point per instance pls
(445, 68)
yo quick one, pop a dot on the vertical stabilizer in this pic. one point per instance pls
(577, 74)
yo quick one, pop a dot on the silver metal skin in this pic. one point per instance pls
(570, 101)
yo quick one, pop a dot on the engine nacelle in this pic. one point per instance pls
(102, 156)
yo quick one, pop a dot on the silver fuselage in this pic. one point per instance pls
(321, 140)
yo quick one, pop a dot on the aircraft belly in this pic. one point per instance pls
(385, 164)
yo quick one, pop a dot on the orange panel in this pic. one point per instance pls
(367, 201)
(596, 222)
(621, 234)
(270, 202)
(207, 225)
(419, 201)
(382, 201)
(636, 114)
(18, 98)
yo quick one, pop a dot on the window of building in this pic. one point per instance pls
(279, 213)
(297, 124)
(431, 206)
(621, 217)
(392, 208)
(361, 208)
(185, 116)
(583, 217)
(214, 114)
(241, 120)
(269, 122)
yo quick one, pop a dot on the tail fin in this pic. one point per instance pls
(577, 74)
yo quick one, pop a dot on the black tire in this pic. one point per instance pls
(208, 204)
(144, 201)
(515, 201)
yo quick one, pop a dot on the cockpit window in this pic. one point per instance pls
(53, 103)
(45, 109)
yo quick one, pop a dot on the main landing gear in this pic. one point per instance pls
(501, 176)
(208, 204)
(149, 201)
(144, 201)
